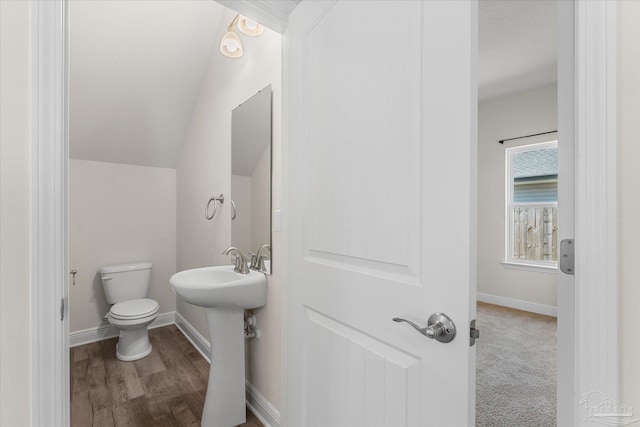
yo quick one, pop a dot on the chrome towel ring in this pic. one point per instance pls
(233, 208)
(215, 201)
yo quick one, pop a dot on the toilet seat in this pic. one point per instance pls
(131, 318)
(134, 309)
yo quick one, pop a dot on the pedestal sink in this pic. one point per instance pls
(225, 295)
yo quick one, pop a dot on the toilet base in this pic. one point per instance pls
(133, 344)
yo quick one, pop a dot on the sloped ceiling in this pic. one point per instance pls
(135, 72)
(136, 66)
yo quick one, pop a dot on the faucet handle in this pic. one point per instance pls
(250, 259)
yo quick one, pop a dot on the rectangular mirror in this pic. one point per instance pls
(251, 175)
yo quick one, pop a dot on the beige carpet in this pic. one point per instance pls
(516, 368)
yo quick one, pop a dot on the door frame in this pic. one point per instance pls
(595, 367)
(596, 206)
(565, 284)
(50, 382)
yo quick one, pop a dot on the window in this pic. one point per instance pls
(532, 205)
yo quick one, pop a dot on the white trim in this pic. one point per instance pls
(49, 335)
(268, 415)
(285, 312)
(531, 307)
(540, 268)
(264, 410)
(271, 13)
(565, 300)
(199, 342)
(596, 293)
(104, 332)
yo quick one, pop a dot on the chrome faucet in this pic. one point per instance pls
(258, 260)
(241, 262)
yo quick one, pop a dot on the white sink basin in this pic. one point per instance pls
(220, 286)
(225, 295)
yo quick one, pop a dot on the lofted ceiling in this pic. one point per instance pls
(136, 66)
(135, 70)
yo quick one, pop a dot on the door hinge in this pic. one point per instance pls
(474, 333)
(567, 258)
(62, 309)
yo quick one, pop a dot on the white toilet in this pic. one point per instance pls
(126, 286)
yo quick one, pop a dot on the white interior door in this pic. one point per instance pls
(380, 212)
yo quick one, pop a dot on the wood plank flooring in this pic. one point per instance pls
(166, 388)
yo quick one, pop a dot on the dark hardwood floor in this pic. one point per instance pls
(166, 388)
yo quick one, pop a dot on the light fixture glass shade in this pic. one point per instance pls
(231, 45)
(250, 27)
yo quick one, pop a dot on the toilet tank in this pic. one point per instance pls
(123, 282)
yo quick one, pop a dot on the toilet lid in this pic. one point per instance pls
(134, 308)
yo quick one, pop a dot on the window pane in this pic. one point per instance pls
(532, 198)
(534, 233)
(539, 191)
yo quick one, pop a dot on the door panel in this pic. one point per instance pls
(380, 195)
(355, 377)
(351, 209)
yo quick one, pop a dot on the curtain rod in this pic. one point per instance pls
(502, 141)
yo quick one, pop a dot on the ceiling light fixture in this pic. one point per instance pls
(231, 45)
(250, 27)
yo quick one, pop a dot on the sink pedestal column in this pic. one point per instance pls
(224, 405)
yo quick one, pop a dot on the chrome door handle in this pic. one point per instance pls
(439, 327)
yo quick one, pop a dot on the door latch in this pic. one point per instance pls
(73, 273)
(474, 333)
(567, 258)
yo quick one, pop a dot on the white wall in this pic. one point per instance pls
(137, 64)
(629, 199)
(118, 214)
(204, 169)
(521, 114)
(14, 214)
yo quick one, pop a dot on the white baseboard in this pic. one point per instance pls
(199, 342)
(104, 332)
(264, 410)
(531, 307)
(268, 415)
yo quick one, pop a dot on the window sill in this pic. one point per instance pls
(549, 269)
